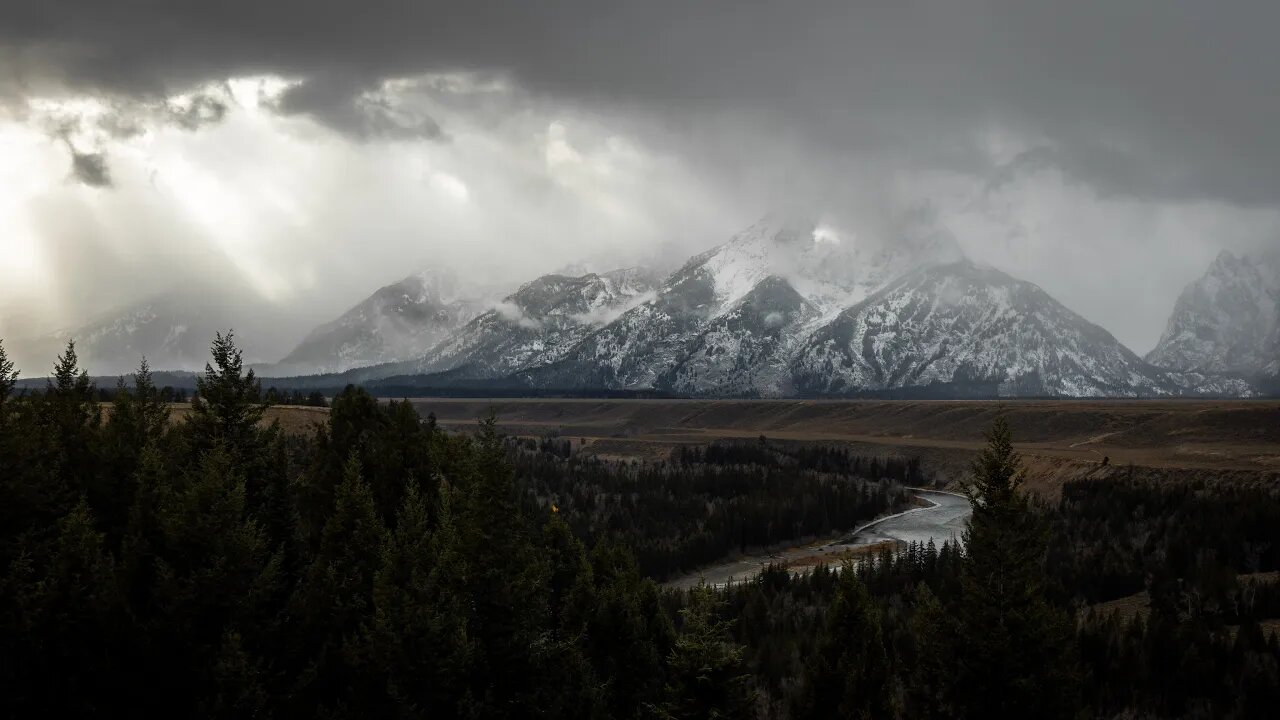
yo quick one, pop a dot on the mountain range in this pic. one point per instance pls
(779, 310)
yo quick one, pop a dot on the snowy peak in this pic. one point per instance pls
(732, 269)
(830, 271)
(1226, 321)
(536, 324)
(398, 322)
(969, 325)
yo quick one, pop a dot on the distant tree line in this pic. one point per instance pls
(314, 398)
(816, 457)
(677, 517)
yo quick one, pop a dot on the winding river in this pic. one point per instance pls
(941, 520)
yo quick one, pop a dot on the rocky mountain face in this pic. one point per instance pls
(746, 350)
(533, 326)
(1228, 321)
(966, 324)
(398, 322)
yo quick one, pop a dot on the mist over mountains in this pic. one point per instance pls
(784, 308)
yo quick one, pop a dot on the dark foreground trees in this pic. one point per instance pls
(217, 567)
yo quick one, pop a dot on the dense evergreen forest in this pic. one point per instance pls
(379, 567)
(676, 517)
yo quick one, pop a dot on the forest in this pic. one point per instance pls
(217, 566)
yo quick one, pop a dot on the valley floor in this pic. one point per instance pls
(1060, 440)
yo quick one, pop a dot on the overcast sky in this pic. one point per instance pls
(313, 150)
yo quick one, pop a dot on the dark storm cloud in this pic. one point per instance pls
(350, 106)
(90, 169)
(1152, 98)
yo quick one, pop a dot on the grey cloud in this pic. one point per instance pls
(353, 107)
(90, 168)
(1153, 98)
(200, 111)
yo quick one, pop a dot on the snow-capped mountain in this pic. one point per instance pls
(535, 325)
(398, 322)
(967, 324)
(654, 344)
(1227, 321)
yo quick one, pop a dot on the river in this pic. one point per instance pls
(944, 520)
(941, 520)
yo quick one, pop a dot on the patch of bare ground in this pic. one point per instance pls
(292, 418)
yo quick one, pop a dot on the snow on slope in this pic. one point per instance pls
(647, 346)
(535, 325)
(1226, 321)
(965, 323)
(398, 322)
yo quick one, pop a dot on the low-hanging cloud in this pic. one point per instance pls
(323, 147)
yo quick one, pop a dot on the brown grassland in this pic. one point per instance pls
(1058, 439)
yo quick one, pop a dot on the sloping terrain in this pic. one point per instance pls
(534, 326)
(1226, 321)
(398, 322)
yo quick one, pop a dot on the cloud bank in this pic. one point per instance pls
(317, 150)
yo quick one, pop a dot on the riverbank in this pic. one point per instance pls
(941, 520)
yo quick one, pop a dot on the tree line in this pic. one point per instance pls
(217, 566)
(679, 516)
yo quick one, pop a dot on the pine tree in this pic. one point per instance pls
(239, 689)
(69, 633)
(933, 632)
(336, 595)
(416, 643)
(850, 674)
(227, 405)
(70, 404)
(567, 684)
(506, 582)
(8, 379)
(706, 677)
(215, 572)
(1014, 654)
(137, 420)
(629, 634)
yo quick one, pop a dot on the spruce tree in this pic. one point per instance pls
(8, 379)
(69, 636)
(336, 594)
(629, 634)
(415, 645)
(849, 676)
(215, 572)
(228, 404)
(137, 420)
(707, 677)
(506, 583)
(1013, 650)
